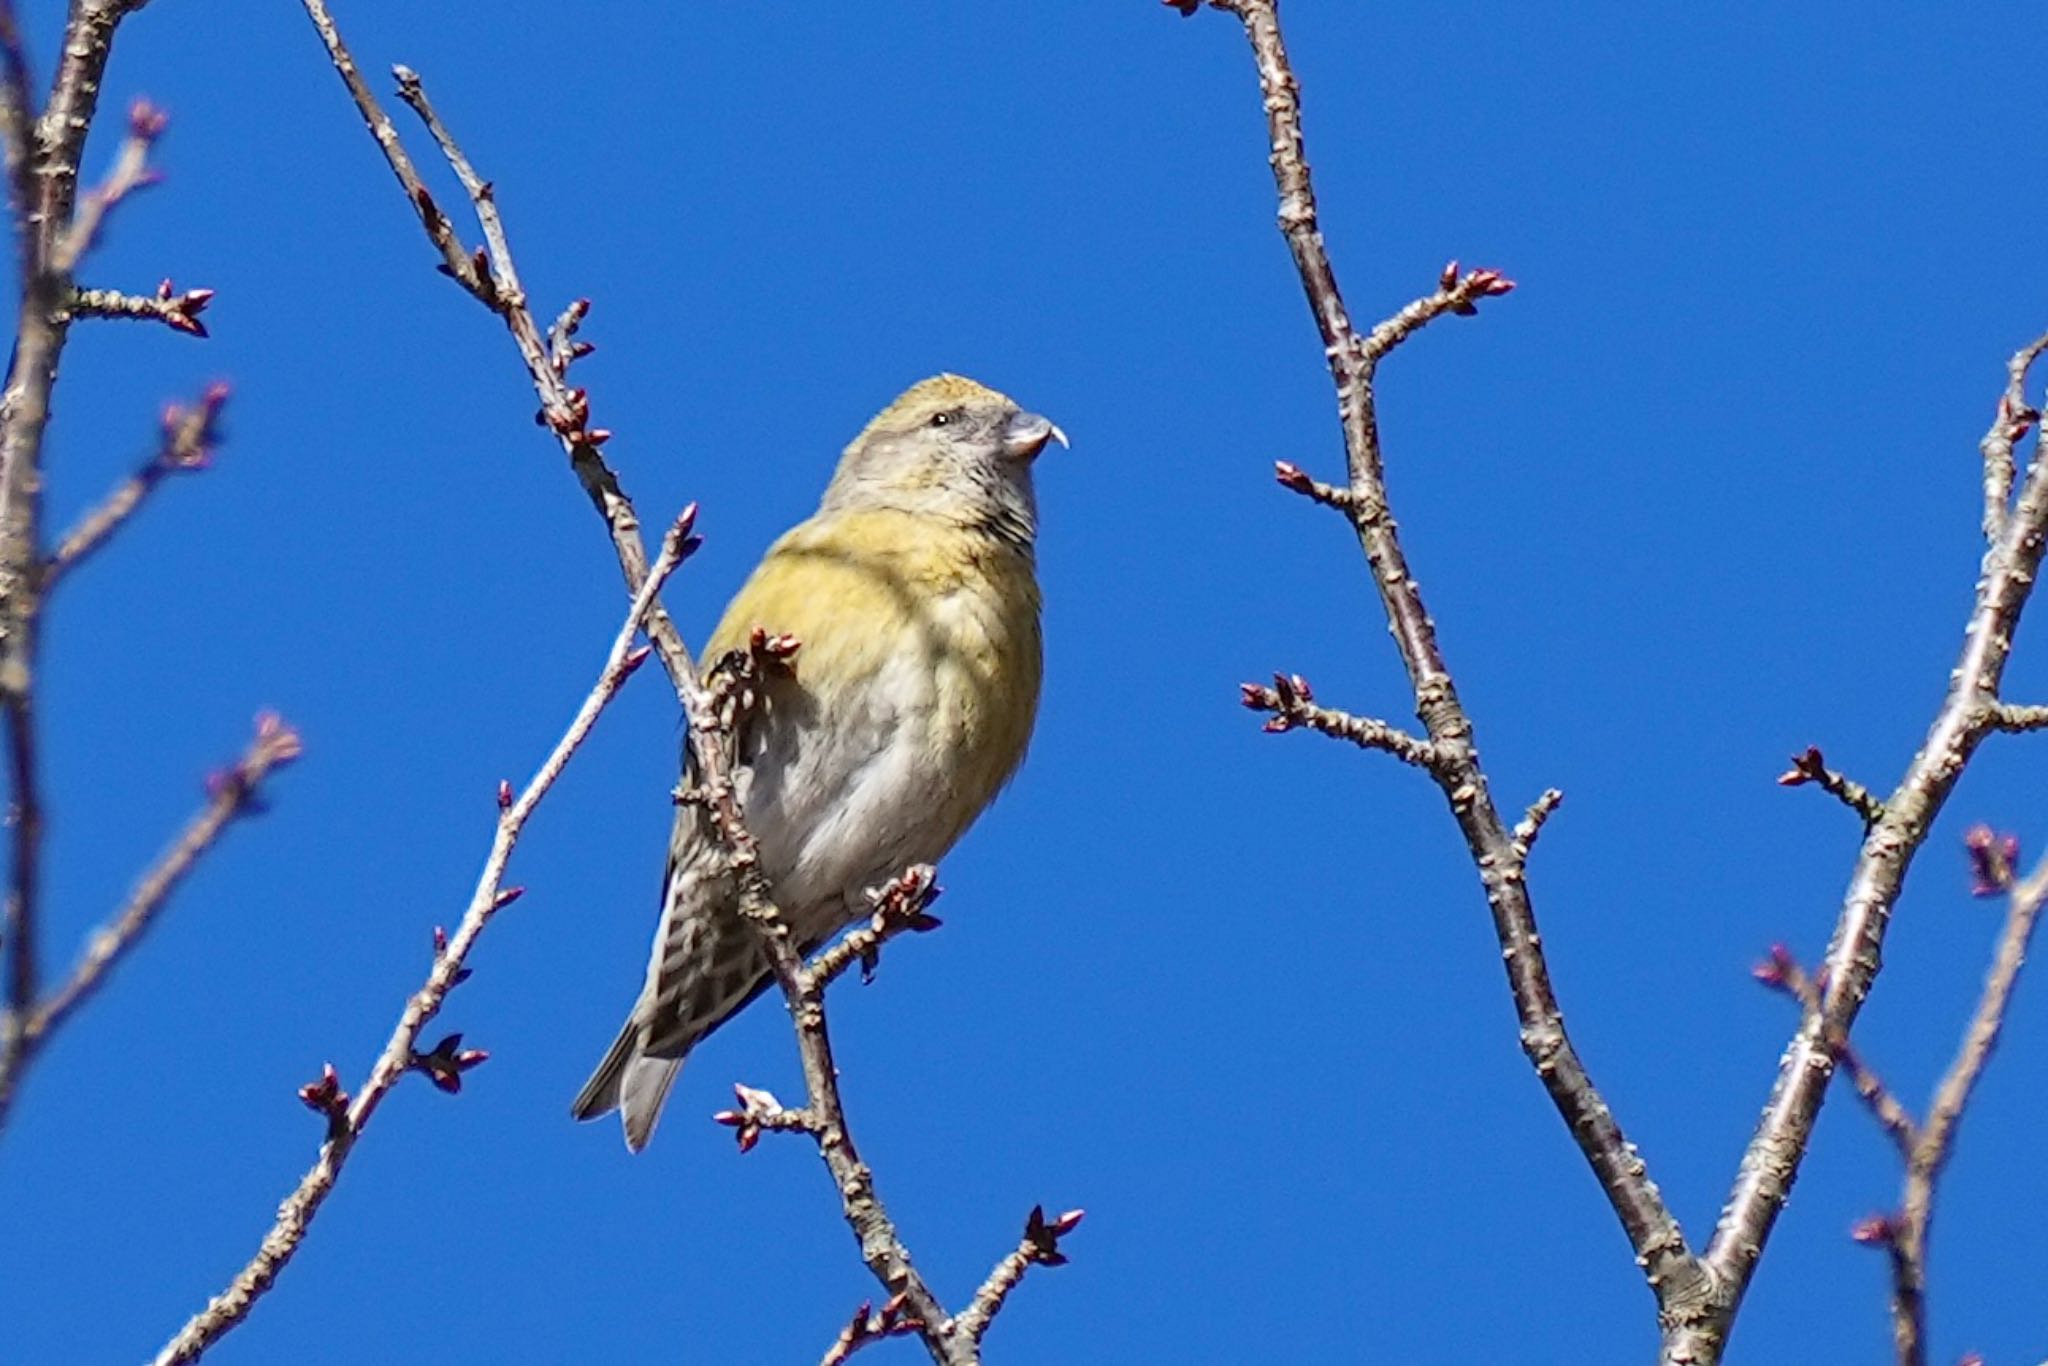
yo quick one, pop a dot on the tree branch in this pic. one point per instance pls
(1969, 712)
(1782, 972)
(190, 437)
(348, 1118)
(494, 282)
(1927, 1157)
(233, 793)
(2014, 418)
(1674, 1275)
(176, 310)
(490, 276)
(43, 154)
(1292, 704)
(1811, 767)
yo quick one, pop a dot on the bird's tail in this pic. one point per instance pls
(630, 1082)
(706, 964)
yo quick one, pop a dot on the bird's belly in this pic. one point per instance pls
(849, 797)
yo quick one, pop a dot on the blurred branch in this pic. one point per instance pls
(176, 310)
(189, 438)
(1951, 1095)
(42, 152)
(17, 114)
(131, 173)
(1970, 712)
(232, 793)
(347, 1118)
(1447, 752)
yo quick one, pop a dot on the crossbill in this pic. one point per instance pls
(914, 593)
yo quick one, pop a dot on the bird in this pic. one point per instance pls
(913, 595)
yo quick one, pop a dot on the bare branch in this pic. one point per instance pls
(1040, 1247)
(1811, 767)
(347, 1118)
(232, 793)
(1455, 293)
(2008, 717)
(1531, 825)
(1883, 1231)
(2015, 417)
(564, 410)
(1968, 713)
(1294, 478)
(1292, 703)
(1782, 972)
(131, 172)
(492, 278)
(176, 310)
(190, 436)
(1674, 1275)
(867, 1328)
(1927, 1157)
(17, 113)
(899, 908)
(43, 161)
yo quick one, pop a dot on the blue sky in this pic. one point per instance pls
(1703, 491)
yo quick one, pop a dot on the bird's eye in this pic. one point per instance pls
(942, 419)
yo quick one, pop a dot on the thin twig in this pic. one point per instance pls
(17, 113)
(1811, 766)
(45, 188)
(823, 1114)
(190, 437)
(1292, 704)
(2014, 418)
(348, 1119)
(131, 172)
(177, 310)
(1951, 1096)
(1782, 972)
(2014, 718)
(1970, 711)
(233, 793)
(1531, 825)
(1673, 1273)
(1040, 1246)
(566, 411)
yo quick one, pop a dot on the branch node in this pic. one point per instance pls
(1292, 477)
(1531, 825)
(446, 1061)
(1292, 705)
(2011, 717)
(1811, 766)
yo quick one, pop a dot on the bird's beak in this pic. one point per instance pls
(1026, 435)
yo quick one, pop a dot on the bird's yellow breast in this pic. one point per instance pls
(944, 615)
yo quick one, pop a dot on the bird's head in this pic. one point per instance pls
(951, 449)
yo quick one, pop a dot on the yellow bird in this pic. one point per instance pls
(914, 593)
